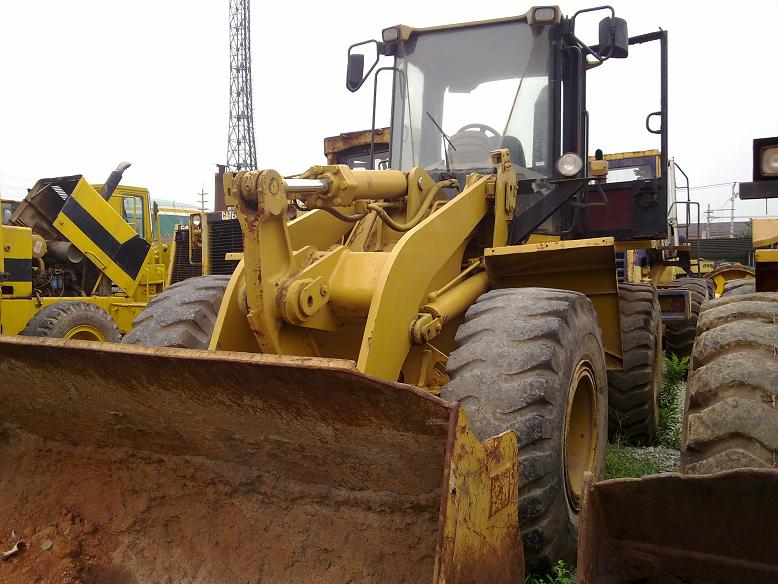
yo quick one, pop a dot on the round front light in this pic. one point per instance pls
(196, 220)
(569, 164)
(770, 161)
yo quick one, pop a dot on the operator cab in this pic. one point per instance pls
(462, 91)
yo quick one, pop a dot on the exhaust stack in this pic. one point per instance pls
(113, 180)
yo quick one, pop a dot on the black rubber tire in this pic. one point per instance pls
(182, 316)
(633, 392)
(739, 286)
(679, 335)
(511, 369)
(56, 320)
(731, 413)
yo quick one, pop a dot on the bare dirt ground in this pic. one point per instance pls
(117, 516)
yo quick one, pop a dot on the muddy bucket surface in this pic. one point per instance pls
(671, 529)
(129, 464)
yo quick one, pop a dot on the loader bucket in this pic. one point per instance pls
(131, 464)
(720, 528)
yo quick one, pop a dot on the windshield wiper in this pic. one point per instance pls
(445, 136)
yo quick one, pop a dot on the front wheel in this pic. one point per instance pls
(73, 319)
(530, 360)
(183, 316)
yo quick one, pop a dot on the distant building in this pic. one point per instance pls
(718, 230)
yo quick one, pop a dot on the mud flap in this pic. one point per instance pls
(719, 528)
(234, 467)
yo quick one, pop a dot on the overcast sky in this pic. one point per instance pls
(88, 83)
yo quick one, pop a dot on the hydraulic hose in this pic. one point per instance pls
(403, 227)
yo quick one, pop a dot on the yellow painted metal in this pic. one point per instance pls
(580, 432)
(586, 265)
(317, 230)
(232, 331)
(766, 272)
(480, 510)
(15, 313)
(398, 296)
(406, 32)
(85, 333)
(111, 221)
(635, 244)
(298, 295)
(655, 154)
(542, 238)
(727, 272)
(346, 185)
(17, 249)
(764, 231)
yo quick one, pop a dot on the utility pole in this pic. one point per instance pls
(241, 148)
(708, 214)
(732, 212)
(202, 194)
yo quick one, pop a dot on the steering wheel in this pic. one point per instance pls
(483, 128)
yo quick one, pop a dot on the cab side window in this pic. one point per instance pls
(133, 213)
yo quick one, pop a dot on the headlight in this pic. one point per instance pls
(544, 14)
(391, 35)
(769, 161)
(569, 164)
(196, 220)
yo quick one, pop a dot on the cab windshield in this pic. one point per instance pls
(484, 87)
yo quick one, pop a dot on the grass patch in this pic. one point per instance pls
(561, 573)
(669, 428)
(623, 462)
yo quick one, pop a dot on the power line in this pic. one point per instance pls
(711, 186)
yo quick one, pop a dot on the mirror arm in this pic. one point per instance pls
(600, 58)
(380, 50)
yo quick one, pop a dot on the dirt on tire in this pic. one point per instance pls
(731, 414)
(182, 316)
(511, 370)
(56, 320)
(739, 286)
(633, 391)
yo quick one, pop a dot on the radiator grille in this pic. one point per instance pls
(226, 237)
(181, 268)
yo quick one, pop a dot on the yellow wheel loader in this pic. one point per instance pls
(715, 522)
(406, 383)
(78, 263)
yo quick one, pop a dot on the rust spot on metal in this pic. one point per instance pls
(336, 148)
(673, 528)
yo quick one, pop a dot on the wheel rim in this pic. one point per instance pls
(580, 432)
(85, 332)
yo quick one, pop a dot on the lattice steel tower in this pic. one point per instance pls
(241, 149)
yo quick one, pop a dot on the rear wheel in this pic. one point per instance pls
(679, 335)
(731, 415)
(633, 391)
(182, 316)
(73, 319)
(739, 286)
(530, 360)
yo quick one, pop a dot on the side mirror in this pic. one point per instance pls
(614, 39)
(355, 71)
(358, 55)
(155, 210)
